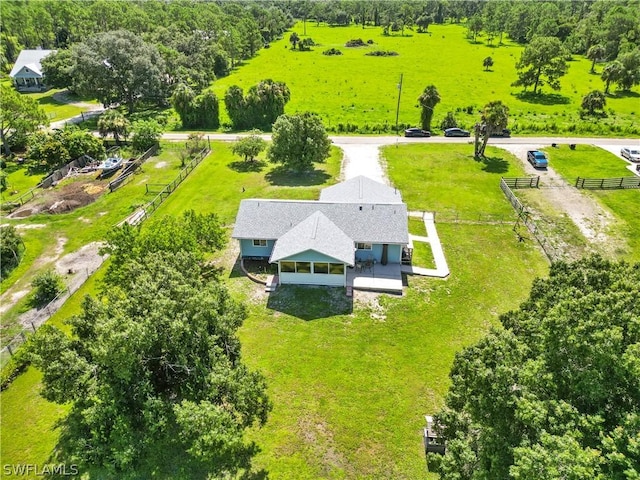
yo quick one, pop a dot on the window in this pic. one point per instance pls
(363, 246)
(287, 267)
(320, 267)
(336, 268)
(259, 243)
(303, 267)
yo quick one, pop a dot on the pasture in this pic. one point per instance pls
(351, 381)
(357, 93)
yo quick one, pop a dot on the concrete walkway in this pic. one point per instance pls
(442, 268)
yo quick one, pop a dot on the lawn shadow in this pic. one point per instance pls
(242, 166)
(310, 302)
(543, 98)
(495, 165)
(286, 178)
(624, 94)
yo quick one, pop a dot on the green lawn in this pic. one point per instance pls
(362, 90)
(592, 162)
(350, 383)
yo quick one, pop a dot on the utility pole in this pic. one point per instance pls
(398, 106)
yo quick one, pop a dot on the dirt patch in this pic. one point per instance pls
(363, 159)
(371, 302)
(12, 299)
(161, 164)
(317, 436)
(64, 199)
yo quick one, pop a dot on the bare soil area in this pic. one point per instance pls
(63, 199)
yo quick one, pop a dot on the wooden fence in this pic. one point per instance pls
(129, 170)
(144, 213)
(608, 183)
(522, 182)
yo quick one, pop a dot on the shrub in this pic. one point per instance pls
(146, 134)
(357, 42)
(449, 121)
(47, 286)
(370, 42)
(332, 51)
(17, 364)
(382, 53)
(11, 249)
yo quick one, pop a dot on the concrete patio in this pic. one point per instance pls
(379, 278)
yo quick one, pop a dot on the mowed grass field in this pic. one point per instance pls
(350, 381)
(357, 89)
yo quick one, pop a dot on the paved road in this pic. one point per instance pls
(390, 139)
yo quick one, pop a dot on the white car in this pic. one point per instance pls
(632, 154)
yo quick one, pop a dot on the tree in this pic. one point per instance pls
(449, 121)
(236, 106)
(250, 146)
(427, 101)
(629, 75)
(611, 73)
(11, 249)
(112, 122)
(118, 67)
(57, 67)
(294, 39)
(58, 147)
(487, 63)
(423, 22)
(556, 392)
(474, 25)
(19, 116)
(542, 62)
(595, 53)
(593, 103)
(265, 102)
(299, 141)
(182, 102)
(146, 134)
(207, 110)
(200, 111)
(154, 368)
(494, 119)
(46, 286)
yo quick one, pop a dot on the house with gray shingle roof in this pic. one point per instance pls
(27, 74)
(315, 242)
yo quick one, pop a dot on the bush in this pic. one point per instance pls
(382, 53)
(357, 42)
(146, 133)
(449, 121)
(47, 286)
(17, 364)
(11, 249)
(332, 51)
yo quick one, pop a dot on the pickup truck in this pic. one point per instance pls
(537, 158)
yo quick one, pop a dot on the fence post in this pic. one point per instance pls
(33, 326)
(10, 351)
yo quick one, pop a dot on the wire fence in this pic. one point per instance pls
(32, 320)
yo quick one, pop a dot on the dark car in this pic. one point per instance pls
(416, 132)
(456, 132)
(504, 133)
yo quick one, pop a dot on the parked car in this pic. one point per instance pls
(631, 154)
(537, 158)
(504, 133)
(456, 132)
(416, 132)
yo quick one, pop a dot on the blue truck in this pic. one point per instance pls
(537, 158)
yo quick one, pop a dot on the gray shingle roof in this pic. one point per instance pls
(362, 222)
(317, 233)
(361, 189)
(30, 59)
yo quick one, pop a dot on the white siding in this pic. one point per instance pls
(314, 279)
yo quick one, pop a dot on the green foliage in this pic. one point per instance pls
(494, 119)
(542, 62)
(57, 68)
(249, 147)
(449, 121)
(113, 122)
(60, 146)
(177, 383)
(427, 102)
(17, 364)
(332, 51)
(200, 111)
(263, 103)
(46, 286)
(146, 133)
(19, 116)
(556, 392)
(382, 53)
(595, 53)
(299, 141)
(593, 103)
(11, 249)
(629, 73)
(487, 63)
(118, 67)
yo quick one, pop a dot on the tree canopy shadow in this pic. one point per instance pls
(310, 302)
(495, 165)
(242, 166)
(624, 94)
(284, 177)
(543, 98)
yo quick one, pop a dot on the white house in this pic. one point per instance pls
(27, 74)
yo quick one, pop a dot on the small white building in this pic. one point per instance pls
(27, 74)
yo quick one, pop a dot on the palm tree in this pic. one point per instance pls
(494, 119)
(593, 101)
(595, 53)
(611, 73)
(294, 39)
(428, 100)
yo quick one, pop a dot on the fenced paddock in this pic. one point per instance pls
(608, 183)
(522, 182)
